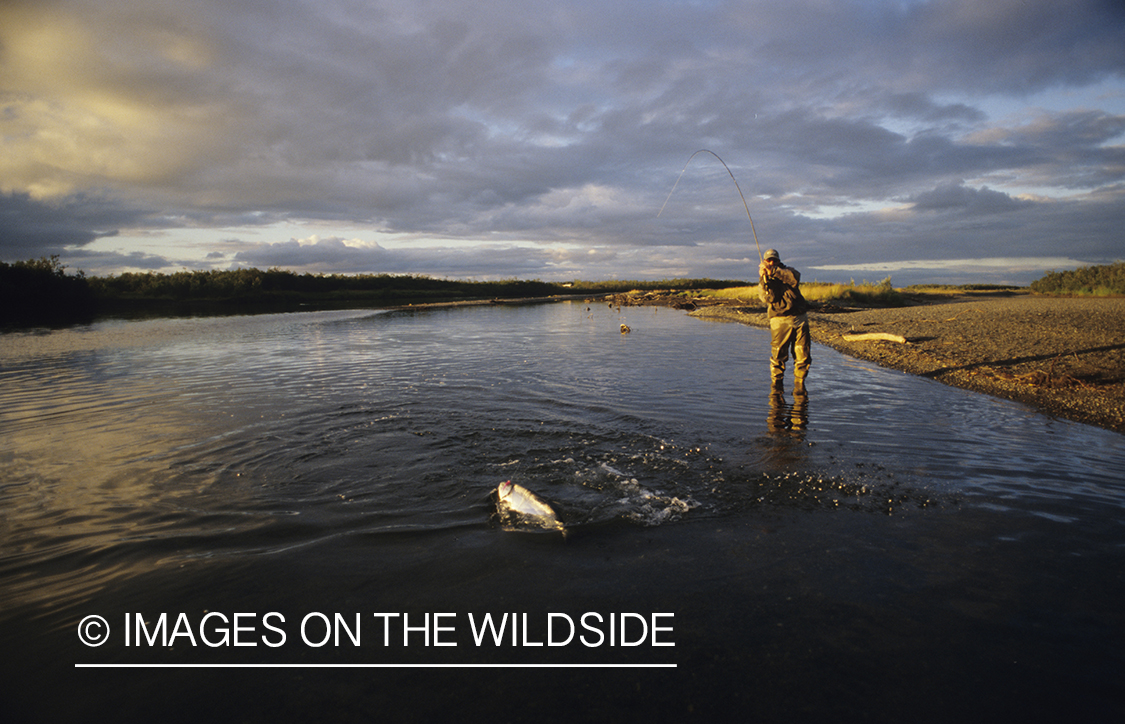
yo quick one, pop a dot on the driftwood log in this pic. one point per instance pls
(869, 336)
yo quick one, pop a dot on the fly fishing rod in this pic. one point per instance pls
(732, 178)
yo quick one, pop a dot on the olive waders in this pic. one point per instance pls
(790, 332)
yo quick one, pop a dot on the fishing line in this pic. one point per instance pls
(732, 178)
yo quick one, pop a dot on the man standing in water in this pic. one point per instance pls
(780, 289)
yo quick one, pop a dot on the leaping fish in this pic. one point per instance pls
(512, 498)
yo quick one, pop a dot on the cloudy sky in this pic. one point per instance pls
(929, 140)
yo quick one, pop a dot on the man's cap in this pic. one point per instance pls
(771, 254)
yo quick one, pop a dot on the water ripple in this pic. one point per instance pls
(164, 439)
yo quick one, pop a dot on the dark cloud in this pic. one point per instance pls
(30, 229)
(1012, 46)
(321, 254)
(920, 106)
(100, 263)
(971, 201)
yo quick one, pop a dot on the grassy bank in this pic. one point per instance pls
(880, 294)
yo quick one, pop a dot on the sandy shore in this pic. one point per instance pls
(1064, 356)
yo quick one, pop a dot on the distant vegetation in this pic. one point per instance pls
(1104, 280)
(242, 287)
(252, 286)
(40, 291)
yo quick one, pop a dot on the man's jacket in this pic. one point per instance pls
(781, 291)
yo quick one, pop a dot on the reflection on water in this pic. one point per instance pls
(787, 424)
(785, 417)
(306, 459)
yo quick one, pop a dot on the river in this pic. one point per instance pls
(289, 516)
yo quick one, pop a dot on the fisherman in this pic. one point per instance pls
(780, 289)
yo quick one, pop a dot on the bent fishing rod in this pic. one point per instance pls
(732, 178)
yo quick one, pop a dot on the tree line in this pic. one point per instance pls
(40, 290)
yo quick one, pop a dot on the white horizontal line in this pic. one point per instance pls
(375, 666)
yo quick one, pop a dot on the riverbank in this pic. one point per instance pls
(1062, 355)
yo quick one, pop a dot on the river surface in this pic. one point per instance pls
(289, 516)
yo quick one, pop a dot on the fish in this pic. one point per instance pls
(515, 500)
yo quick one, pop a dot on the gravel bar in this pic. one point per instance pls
(1062, 355)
